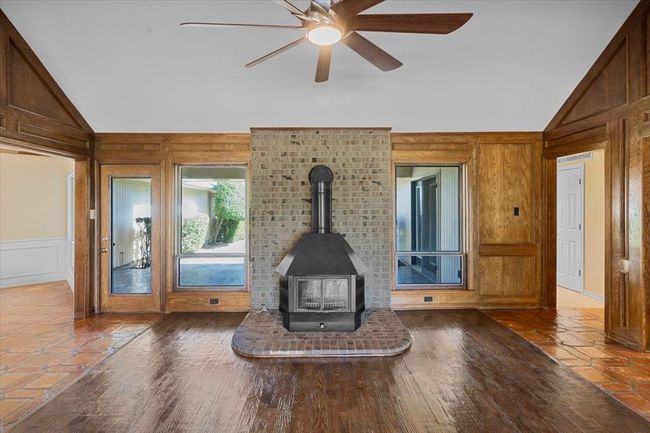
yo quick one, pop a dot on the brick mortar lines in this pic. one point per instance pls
(280, 210)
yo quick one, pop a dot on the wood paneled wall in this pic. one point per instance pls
(33, 108)
(36, 115)
(610, 109)
(502, 171)
(165, 152)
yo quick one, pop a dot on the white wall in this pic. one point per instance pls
(33, 219)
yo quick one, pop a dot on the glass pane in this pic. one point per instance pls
(131, 235)
(213, 221)
(335, 294)
(428, 216)
(213, 210)
(211, 271)
(309, 295)
(429, 270)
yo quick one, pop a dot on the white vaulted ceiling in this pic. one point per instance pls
(128, 67)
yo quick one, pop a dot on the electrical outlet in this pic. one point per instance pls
(214, 301)
(516, 211)
(428, 299)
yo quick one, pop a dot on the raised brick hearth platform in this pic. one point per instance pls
(261, 335)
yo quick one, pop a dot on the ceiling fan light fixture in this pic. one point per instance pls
(324, 35)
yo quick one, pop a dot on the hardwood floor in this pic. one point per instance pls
(464, 373)
(43, 350)
(575, 337)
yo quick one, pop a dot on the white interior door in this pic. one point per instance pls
(570, 210)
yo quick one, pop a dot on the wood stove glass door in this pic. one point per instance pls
(336, 294)
(310, 294)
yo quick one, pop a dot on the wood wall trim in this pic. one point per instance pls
(320, 128)
(518, 253)
(619, 129)
(521, 249)
(44, 120)
(166, 151)
(200, 302)
(455, 299)
(34, 109)
(634, 22)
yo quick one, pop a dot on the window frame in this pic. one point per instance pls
(462, 235)
(178, 225)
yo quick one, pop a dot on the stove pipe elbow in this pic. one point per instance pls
(321, 178)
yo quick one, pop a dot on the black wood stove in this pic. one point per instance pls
(321, 284)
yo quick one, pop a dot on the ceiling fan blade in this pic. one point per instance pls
(371, 52)
(268, 26)
(286, 4)
(324, 61)
(349, 8)
(409, 23)
(322, 4)
(276, 52)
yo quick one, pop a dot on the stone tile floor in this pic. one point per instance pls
(575, 337)
(43, 350)
(261, 335)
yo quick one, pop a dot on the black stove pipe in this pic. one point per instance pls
(321, 178)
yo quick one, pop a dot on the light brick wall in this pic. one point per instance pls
(280, 201)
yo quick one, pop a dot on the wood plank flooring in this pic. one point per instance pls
(576, 338)
(43, 350)
(464, 373)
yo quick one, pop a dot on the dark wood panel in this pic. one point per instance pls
(512, 249)
(38, 111)
(507, 277)
(647, 57)
(609, 88)
(464, 372)
(28, 91)
(506, 182)
(598, 134)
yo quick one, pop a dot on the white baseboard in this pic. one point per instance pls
(33, 261)
(593, 295)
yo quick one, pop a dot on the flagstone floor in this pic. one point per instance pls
(43, 350)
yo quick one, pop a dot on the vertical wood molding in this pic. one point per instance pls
(83, 241)
(623, 181)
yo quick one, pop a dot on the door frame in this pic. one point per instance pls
(549, 257)
(84, 224)
(581, 168)
(132, 302)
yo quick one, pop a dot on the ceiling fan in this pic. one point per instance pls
(327, 22)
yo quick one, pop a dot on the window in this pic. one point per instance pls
(428, 217)
(212, 227)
